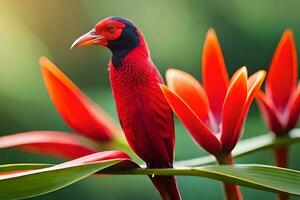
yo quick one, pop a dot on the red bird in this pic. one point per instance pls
(145, 116)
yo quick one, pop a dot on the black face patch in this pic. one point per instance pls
(128, 40)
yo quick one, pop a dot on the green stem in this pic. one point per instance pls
(118, 143)
(232, 192)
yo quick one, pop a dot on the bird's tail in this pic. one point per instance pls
(167, 187)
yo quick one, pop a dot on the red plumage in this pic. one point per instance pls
(144, 113)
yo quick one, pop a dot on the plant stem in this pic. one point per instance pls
(232, 192)
(281, 157)
(118, 143)
(282, 196)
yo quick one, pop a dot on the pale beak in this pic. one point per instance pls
(87, 39)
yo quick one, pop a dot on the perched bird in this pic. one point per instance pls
(144, 114)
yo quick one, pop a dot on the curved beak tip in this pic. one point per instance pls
(87, 39)
(78, 41)
(73, 45)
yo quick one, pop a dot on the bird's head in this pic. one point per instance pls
(116, 33)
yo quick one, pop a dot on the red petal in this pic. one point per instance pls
(233, 107)
(214, 75)
(269, 113)
(294, 109)
(78, 111)
(190, 90)
(254, 83)
(282, 77)
(54, 143)
(202, 135)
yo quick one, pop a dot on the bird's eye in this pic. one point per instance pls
(111, 29)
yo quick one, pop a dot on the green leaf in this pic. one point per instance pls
(263, 177)
(49, 179)
(248, 146)
(42, 181)
(22, 166)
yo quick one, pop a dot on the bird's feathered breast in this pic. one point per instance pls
(143, 111)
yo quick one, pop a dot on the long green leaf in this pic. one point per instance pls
(42, 181)
(22, 166)
(263, 177)
(46, 180)
(260, 177)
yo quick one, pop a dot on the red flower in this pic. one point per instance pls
(215, 114)
(280, 104)
(78, 111)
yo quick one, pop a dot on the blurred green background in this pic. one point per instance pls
(175, 29)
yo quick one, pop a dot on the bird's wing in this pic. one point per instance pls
(159, 111)
(163, 119)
